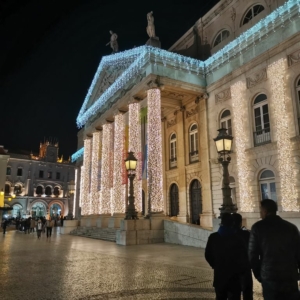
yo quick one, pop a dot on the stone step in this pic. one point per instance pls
(106, 234)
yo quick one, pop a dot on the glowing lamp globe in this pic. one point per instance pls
(223, 142)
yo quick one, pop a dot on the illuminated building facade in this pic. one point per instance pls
(238, 68)
(37, 185)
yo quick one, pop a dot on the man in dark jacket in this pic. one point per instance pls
(227, 255)
(246, 277)
(274, 253)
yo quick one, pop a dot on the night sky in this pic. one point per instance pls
(50, 50)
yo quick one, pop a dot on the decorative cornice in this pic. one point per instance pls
(192, 112)
(257, 78)
(293, 58)
(223, 96)
(171, 123)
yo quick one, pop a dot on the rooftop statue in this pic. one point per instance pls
(150, 28)
(113, 42)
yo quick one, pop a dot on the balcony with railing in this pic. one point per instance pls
(194, 156)
(173, 162)
(262, 137)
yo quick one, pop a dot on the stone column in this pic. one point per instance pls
(135, 146)
(118, 206)
(86, 178)
(154, 162)
(207, 210)
(95, 177)
(106, 169)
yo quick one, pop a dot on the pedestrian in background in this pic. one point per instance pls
(39, 228)
(227, 255)
(246, 277)
(49, 225)
(274, 253)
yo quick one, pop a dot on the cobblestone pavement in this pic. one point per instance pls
(68, 267)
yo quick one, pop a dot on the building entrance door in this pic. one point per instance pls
(174, 200)
(196, 201)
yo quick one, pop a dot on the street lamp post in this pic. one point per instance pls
(71, 188)
(130, 164)
(224, 143)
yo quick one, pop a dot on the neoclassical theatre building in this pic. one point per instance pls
(238, 67)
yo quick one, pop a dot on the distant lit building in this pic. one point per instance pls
(37, 185)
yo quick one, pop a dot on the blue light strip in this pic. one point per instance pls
(77, 154)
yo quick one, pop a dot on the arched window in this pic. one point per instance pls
(39, 190)
(56, 191)
(261, 120)
(225, 121)
(298, 100)
(174, 200)
(233, 189)
(18, 189)
(193, 135)
(267, 185)
(221, 36)
(48, 191)
(173, 154)
(251, 13)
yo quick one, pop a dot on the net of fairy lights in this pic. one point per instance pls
(75, 192)
(81, 186)
(86, 177)
(155, 163)
(135, 146)
(95, 173)
(118, 196)
(289, 195)
(239, 109)
(106, 180)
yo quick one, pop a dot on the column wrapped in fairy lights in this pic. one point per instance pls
(239, 108)
(81, 186)
(86, 205)
(135, 146)
(118, 203)
(155, 163)
(95, 201)
(277, 75)
(75, 192)
(106, 169)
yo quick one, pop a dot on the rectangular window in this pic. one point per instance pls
(19, 172)
(41, 174)
(49, 175)
(8, 171)
(57, 175)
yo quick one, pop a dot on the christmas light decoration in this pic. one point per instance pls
(86, 205)
(118, 200)
(75, 192)
(77, 154)
(289, 195)
(106, 169)
(81, 186)
(239, 109)
(95, 201)
(155, 162)
(135, 146)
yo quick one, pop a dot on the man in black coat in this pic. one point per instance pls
(227, 255)
(274, 254)
(246, 277)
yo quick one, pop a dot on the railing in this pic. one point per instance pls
(173, 162)
(262, 137)
(194, 156)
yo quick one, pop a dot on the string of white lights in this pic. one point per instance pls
(277, 76)
(95, 173)
(75, 192)
(86, 205)
(135, 146)
(239, 109)
(106, 180)
(81, 187)
(118, 202)
(155, 162)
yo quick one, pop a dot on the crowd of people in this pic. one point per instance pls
(271, 250)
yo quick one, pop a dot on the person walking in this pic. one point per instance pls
(4, 225)
(246, 277)
(39, 228)
(32, 225)
(274, 254)
(49, 225)
(227, 255)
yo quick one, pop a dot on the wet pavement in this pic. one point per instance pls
(69, 267)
